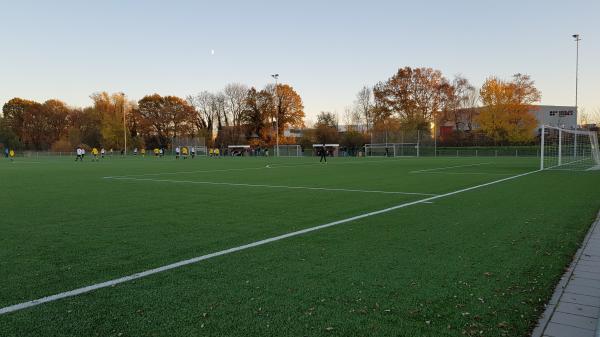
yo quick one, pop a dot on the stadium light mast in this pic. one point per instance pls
(124, 123)
(276, 77)
(577, 39)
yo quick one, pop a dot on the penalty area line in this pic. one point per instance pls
(448, 167)
(268, 186)
(110, 283)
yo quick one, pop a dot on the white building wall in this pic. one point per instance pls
(556, 115)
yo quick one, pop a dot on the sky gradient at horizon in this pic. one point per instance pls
(326, 50)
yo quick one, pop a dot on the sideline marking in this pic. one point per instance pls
(110, 283)
(448, 167)
(267, 186)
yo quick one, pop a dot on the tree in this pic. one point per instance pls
(363, 105)
(353, 141)
(326, 130)
(327, 119)
(84, 127)
(7, 137)
(506, 116)
(456, 99)
(289, 110)
(111, 108)
(413, 95)
(258, 108)
(235, 99)
(36, 125)
(165, 117)
(56, 114)
(14, 112)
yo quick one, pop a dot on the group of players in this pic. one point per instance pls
(9, 153)
(180, 152)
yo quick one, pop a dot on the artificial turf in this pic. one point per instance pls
(482, 262)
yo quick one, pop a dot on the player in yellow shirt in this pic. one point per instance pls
(156, 152)
(11, 154)
(143, 151)
(217, 152)
(95, 154)
(184, 152)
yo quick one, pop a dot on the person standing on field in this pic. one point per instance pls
(11, 154)
(323, 153)
(78, 152)
(95, 154)
(102, 153)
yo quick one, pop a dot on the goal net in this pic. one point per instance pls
(201, 150)
(564, 149)
(289, 150)
(392, 150)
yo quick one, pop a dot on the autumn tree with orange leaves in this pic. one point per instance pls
(505, 116)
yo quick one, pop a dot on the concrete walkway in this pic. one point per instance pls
(574, 308)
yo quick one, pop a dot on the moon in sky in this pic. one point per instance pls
(212, 51)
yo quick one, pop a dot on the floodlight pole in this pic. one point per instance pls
(577, 39)
(542, 139)
(124, 123)
(276, 77)
(434, 136)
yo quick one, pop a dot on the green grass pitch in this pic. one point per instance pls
(481, 262)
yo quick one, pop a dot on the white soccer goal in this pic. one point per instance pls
(392, 150)
(201, 150)
(289, 150)
(564, 149)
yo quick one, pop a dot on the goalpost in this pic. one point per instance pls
(290, 150)
(564, 149)
(392, 150)
(201, 150)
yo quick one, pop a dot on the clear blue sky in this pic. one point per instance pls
(327, 50)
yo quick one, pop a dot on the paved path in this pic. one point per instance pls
(574, 308)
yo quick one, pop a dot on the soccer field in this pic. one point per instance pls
(376, 246)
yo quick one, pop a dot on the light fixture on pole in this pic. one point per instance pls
(577, 39)
(276, 77)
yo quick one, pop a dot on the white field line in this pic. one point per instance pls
(110, 283)
(459, 173)
(448, 167)
(25, 162)
(268, 166)
(268, 186)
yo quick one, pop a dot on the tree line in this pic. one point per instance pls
(411, 99)
(237, 113)
(415, 100)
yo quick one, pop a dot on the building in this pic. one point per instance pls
(555, 115)
(552, 115)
